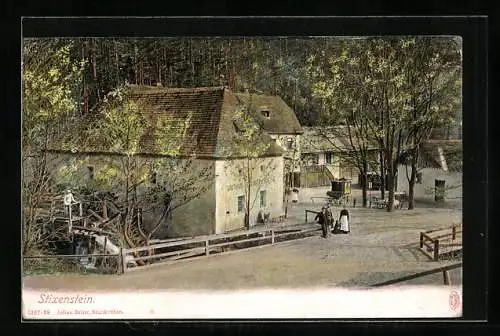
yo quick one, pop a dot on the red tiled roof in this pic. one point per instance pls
(210, 131)
(203, 105)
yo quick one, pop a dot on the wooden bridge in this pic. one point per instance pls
(175, 250)
(441, 242)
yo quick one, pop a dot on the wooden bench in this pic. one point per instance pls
(441, 241)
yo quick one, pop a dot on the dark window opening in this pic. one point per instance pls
(90, 170)
(265, 113)
(419, 177)
(440, 190)
(329, 158)
(263, 200)
(241, 203)
(290, 144)
(152, 178)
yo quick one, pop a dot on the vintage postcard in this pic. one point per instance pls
(242, 177)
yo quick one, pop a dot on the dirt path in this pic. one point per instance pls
(381, 247)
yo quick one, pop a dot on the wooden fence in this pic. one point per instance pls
(311, 211)
(194, 248)
(435, 240)
(444, 269)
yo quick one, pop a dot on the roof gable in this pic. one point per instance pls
(281, 118)
(330, 139)
(434, 152)
(202, 118)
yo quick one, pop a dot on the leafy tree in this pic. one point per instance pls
(433, 80)
(248, 150)
(119, 130)
(50, 79)
(346, 111)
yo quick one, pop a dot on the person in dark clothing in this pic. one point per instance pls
(329, 218)
(336, 228)
(322, 220)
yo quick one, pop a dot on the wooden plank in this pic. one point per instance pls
(197, 240)
(187, 255)
(419, 274)
(162, 245)
(89, 229)
(172, 253)
(445, 235)
(446, 277)
(427, 237)
(428, 244)
(123, 260)
(96, 215)
(240, 241)
(424, 251)
(447, 229)
(451, 244)
(277, 235)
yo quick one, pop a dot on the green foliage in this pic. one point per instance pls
(50, 78)
(250, 139)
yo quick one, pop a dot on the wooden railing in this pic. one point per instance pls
(433, 240)
(444, 269)
(311, 211)
(169, 252)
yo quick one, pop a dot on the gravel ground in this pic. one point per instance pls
(382, 246)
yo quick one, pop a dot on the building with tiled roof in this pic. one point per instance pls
(439, 173)
(201, 123)
(324, 155)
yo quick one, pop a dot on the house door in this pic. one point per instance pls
(439, 190)
(296, 180)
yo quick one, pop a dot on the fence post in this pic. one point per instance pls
(207, 251)
(70, 224)
(453, 232)
(306, 215)
(272, 236)
(436, 250)
(421, 239)
(446, 277)
(123, 261)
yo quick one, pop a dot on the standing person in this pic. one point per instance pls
(329, 217)
(68, 200)
(321, 218)
(344, 221)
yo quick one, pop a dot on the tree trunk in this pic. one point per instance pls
(382, 176)
(365, 184)
(413, 178)
(247, 210)
(390, 181)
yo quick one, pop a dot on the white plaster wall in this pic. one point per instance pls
(321, 158)
(282, 141)
(453, 184)
(229, 187)
(194, 218)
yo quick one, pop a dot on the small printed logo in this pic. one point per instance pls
(454, 300)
